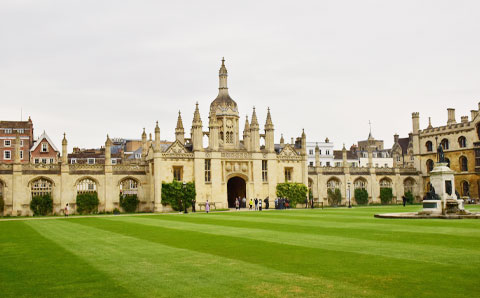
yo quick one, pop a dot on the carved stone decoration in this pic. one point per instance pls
(228, 167)
(244, 167)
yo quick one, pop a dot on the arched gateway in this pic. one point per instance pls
(236, 188)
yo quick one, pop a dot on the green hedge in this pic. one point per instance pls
(87, 203)
(129, 203)
(334, 197)
(410, 197)
(41, 205)
(361, 196)
(295, 192)
(173, 193)
(386, 195)
(2, 205)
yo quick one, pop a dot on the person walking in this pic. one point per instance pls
(306, 203)
(260, 205)
(251, 204)
(237, 204)
(256, 204)
(66, 211)
(404, 199)
(276, 203)
(207, 206)
(267, 203)
(244, 202)
(193, 205)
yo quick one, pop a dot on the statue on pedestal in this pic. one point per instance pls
(440, 154)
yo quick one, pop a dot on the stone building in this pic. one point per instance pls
(461, 144)
(232, 165)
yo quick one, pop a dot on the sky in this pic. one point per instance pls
(92, 68)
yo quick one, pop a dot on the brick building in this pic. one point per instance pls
(44, 151)
(8, 133)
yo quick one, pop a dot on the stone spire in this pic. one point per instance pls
(269, 133)
(429, 123)
(246, 135)
(213, 131)
(254, 123)
(16, 157)
(108, 153)
(317, 155)
(254, 133)
(179, 131)
(344, 156)
(304, 142)
(157, 138)
(197, 121)
(197, 130)
(223, 74)
(64, 150)
(282, 140)
(144, 144)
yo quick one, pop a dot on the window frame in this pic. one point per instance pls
(7, 152)
(5, 143)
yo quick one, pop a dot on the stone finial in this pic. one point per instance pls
(246, 129)
(157, 128)
(269, 122)
(254, 122)
(64, 140)
(144, 134)
(179, 121)
(429, 123)
(282, 140)
(196, 116)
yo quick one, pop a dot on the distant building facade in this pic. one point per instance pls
(8, 132)
(325, 150)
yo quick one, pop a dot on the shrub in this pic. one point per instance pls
(2, 205)
(334, 197)
(129, 203)
(42, 205)
(295, 192)
(386, 195)
(87, 203)
(409, 196)
(361, 196)
(116, 211)
(173, 193)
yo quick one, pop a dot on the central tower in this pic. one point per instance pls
(225, 110)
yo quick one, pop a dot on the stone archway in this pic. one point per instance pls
(236, 187)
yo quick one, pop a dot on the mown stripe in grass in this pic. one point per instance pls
(151, 269)
(390, 276)
(395, 233)
(33, 266)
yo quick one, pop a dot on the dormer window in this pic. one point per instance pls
(91, 161)
(44, 147)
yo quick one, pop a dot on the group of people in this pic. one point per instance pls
(242, 203)
(282, 203)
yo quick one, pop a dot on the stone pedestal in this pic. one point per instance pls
(443, 181)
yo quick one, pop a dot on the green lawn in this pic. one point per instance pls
(320, 253)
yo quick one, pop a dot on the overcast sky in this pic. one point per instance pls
(95, 67)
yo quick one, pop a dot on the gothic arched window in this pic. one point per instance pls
(360, 183)
(332, 184)
(429, 146)
(465, 189)
(463, 164)
(385, 183)
(129, 186)
(41, 187)
(86, 185)
(462, 142)
(445, 144)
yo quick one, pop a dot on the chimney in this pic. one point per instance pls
(474, 114)
(464, 119)
(451, 116)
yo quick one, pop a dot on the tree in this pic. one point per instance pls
(294, 192)
(361, 196)
(386, 195)
(334, 197)
(129, 203)
(87, 203)
(41, 205)
(409, 196)
(176, 196)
